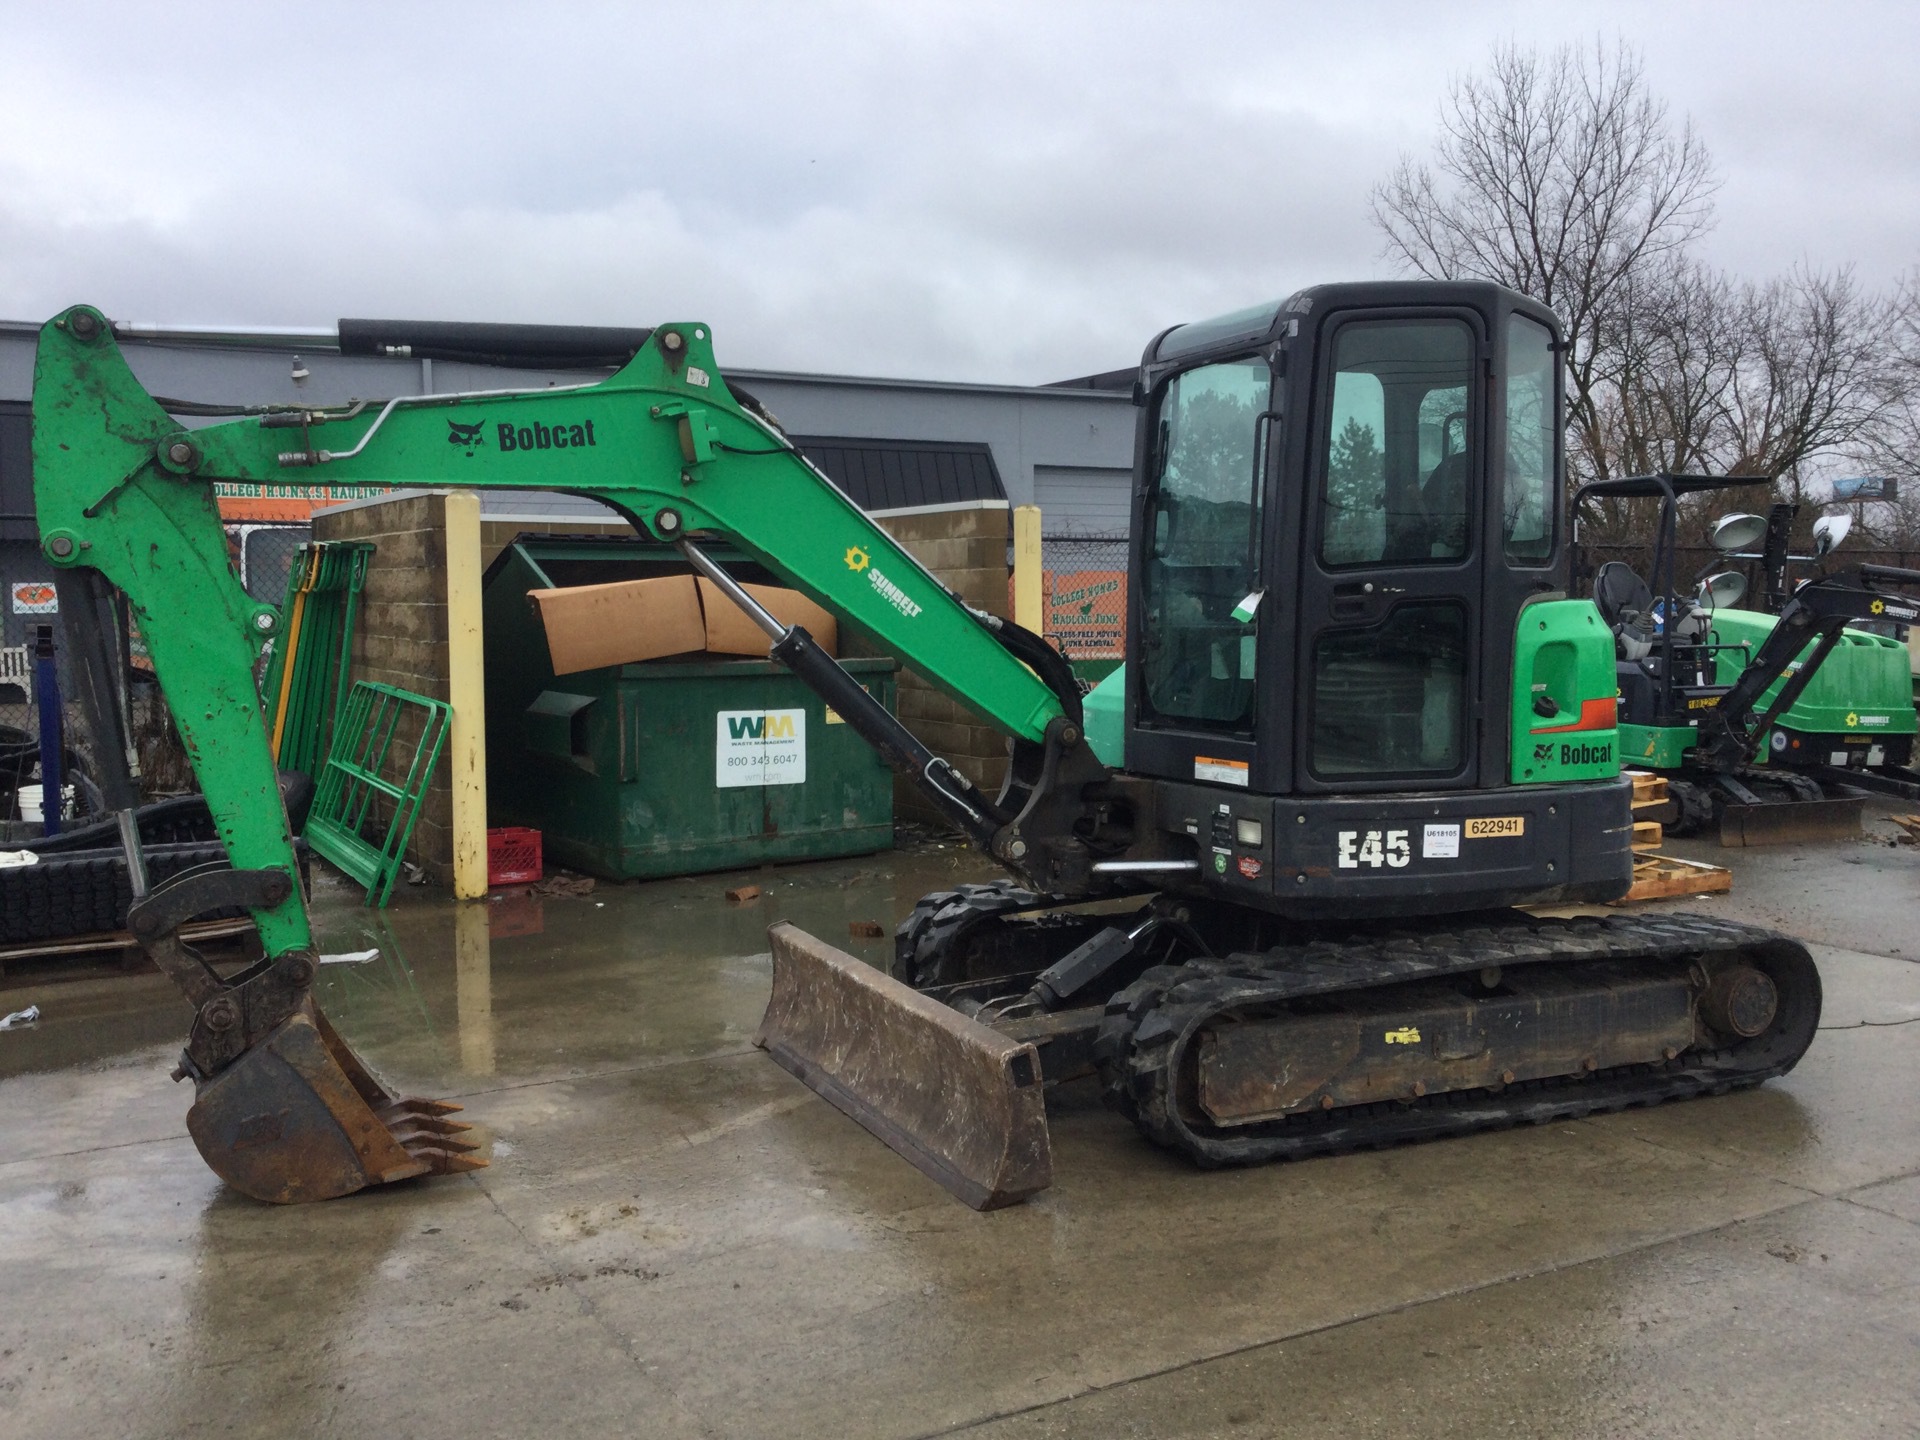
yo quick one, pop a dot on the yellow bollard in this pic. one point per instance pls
(1026, 569)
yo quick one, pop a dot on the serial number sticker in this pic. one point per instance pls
(1440, 842)
(1497, 827)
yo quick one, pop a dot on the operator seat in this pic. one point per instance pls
(1431, 523)
(1625, 602)
(1445, 498)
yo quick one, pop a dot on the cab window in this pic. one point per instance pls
(1396, 470)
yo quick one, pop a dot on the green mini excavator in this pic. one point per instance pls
(1363, 724)
(1767, 726)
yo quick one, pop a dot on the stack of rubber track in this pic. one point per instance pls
(79, 886)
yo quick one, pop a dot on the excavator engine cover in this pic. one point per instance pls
(298, 1117)
(961, 1101)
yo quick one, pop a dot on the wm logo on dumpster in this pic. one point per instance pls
(760, 727)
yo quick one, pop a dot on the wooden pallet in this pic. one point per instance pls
(1657, 876)
(1661, 877)
(1649, 789)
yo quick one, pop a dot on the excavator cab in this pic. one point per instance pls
(1347, 503)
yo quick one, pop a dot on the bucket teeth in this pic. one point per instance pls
(396, 1118)
(418, 1127)
(446, 1163)
(425, 1107)
(412, 1139)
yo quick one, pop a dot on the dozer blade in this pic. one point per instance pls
(298, 1117)
(961, 1101)
(1786, 822)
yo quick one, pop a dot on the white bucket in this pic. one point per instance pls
(31, 807)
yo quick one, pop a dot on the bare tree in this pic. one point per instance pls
(1666, 354)
(1891, 447)
(1815, 378)
(1562, 177)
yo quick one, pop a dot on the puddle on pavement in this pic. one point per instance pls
(519, 987)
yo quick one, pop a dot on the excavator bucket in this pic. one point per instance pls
(961, 1101)
(298, 1117)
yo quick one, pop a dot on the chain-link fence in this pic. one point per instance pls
(263, 554)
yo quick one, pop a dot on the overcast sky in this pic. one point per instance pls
(1016, 192)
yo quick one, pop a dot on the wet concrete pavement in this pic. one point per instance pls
(675, 1238)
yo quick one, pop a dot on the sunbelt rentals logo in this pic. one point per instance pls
(861, 563)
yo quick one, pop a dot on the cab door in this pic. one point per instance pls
(1387, 665)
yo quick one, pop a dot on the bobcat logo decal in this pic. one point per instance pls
(1543, 753)
(467, 435)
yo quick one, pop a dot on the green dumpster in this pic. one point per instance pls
(668, 767)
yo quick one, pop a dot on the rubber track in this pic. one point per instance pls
(925, 943)
(182, 820)
(1143, 1042)
(88, 892)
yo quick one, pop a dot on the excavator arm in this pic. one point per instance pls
(1817, 614)
(123, 489)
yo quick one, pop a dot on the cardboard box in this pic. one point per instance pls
(589, 626)
(730, 632)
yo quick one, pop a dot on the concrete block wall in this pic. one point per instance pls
(967, 549)
(401, 637)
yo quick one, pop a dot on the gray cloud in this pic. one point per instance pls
(981, 191)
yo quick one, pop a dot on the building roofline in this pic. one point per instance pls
(265, 337)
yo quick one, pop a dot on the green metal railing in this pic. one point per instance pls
(304, 689)
(370, 789)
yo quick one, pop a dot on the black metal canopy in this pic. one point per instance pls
(1656, 487)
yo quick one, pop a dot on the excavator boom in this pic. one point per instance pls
(284, 1110)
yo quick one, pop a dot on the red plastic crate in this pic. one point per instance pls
(513, 856)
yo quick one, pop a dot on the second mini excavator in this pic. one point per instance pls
(1764, 724)
(1363, 724)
